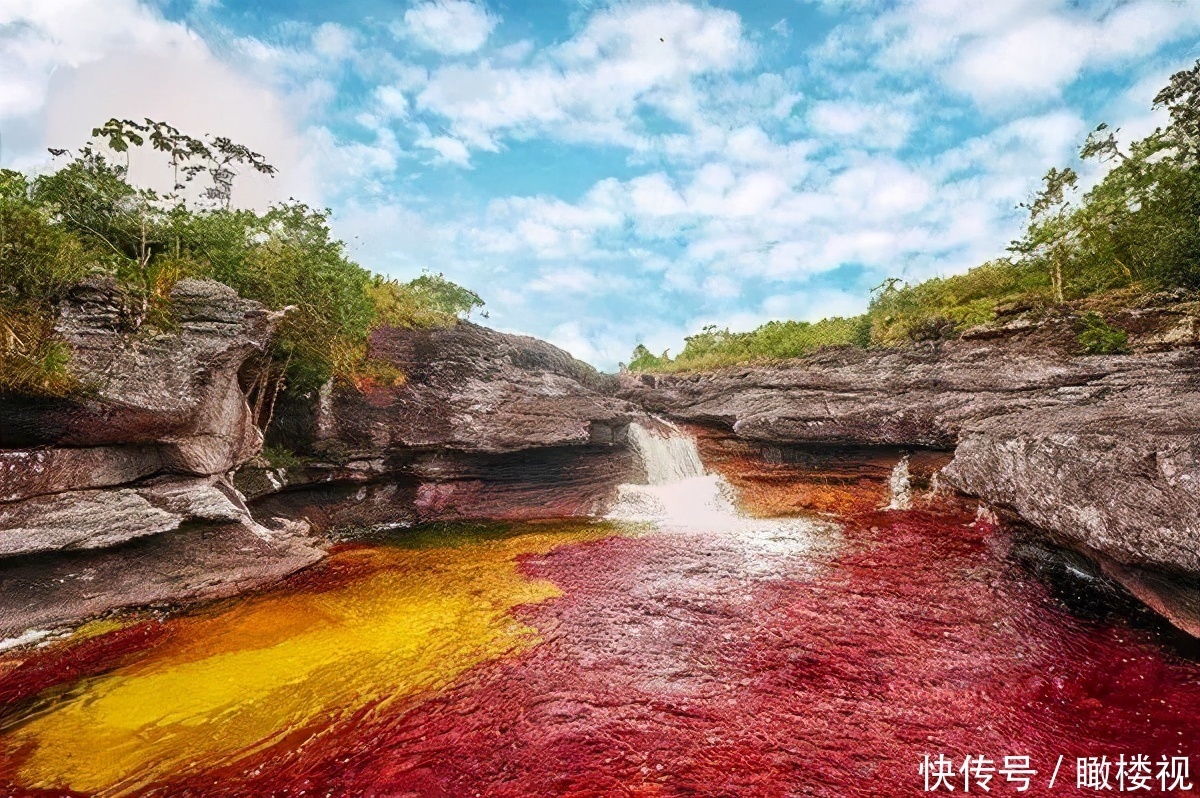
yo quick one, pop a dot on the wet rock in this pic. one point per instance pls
(194, 562)
(1102, 453)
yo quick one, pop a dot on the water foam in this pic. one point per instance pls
(900, 487)
(682, 497)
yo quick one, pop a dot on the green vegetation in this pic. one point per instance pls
(775, 340)
(281, 457)
(1096, 337)
(87, 219)
(1135, 232)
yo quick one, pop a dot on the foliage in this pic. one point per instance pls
(428, 301)
(775, 340)
(1097, 337)
(281, 457)
(32, 360)
(87, 218)
(1135, 231)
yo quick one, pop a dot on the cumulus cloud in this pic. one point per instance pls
(590, 87)
(881, 125)
(450, 27)
(1002, 53)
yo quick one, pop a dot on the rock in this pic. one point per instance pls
(25, 473)
(1132, 495)
(923, 395)
(191, 563)
(93, 519)
(145, 448)
(1102, 453)
(486, 426)
(176, 390)
(472, 389)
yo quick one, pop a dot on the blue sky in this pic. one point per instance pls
(612, 173)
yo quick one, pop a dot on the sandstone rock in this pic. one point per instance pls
(34, 472)
(146, 447)
(473, 389)
(97, 518)
(174, 389)
(486, 425)
(192, 563)
(924, 395)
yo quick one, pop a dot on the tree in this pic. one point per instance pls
(1050, 234)
(218, 156)
(1181, 98)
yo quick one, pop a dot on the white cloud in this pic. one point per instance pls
(1003, 53)
(333, 41)
(450, 27)
(880, 125)
(590, 87)
(39, 36)
(446, 148)
(70, 65)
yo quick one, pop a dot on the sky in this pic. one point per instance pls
(612, 173)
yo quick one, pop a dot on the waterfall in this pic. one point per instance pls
(900, 487)
(668, 457)
(682, 497)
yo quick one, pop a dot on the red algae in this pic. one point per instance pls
(28, 675)
(669, 666)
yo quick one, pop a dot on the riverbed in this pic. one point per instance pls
(676, 648)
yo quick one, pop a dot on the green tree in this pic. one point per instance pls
(1050, 234)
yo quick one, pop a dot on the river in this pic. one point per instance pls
(676, 648)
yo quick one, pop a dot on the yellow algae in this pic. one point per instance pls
(237, 681)
(98, 627)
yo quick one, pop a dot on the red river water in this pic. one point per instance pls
(706, 654)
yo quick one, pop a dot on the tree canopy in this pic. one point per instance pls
(87, 218)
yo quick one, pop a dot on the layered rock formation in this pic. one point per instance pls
(147, 448)
(485, 425)
(1101, 452)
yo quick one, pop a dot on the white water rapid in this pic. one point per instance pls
(900, 486)
(682, 497)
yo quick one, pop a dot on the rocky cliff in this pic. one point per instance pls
(145, 450)
(485, 425)
(1100, 452)
(149, 486)
(126, 494)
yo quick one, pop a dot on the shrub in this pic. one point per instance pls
(87, 218)
(1097, 337)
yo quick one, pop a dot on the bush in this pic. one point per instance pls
(33, 360)
(1097, 337)
(87, 218)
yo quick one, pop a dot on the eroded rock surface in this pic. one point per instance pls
(1101, 452)
(148, 445)
(472, 389)
(192, 563)
(485, 425)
